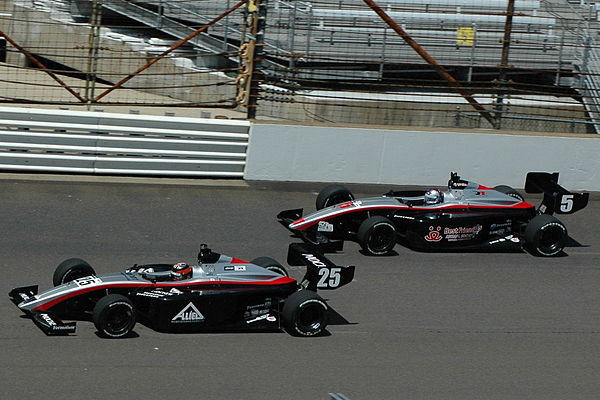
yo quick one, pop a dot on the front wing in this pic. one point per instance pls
(47, 322)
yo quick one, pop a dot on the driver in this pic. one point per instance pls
(433, 196)
(181, 271)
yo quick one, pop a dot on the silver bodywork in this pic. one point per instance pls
(226, 269)
(472, 196)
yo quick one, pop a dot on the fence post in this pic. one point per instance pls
(257, 75)
(93, 49)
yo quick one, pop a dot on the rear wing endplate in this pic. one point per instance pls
(557, 199)
(321, 273)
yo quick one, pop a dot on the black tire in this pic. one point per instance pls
(270, 264)
(545, 236)
(71, 269)
(509, 191)
(377, 235)
(304, 314)
(114, 316)
(332, 195)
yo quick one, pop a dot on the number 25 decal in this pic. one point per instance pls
(566, 203)
(330, 277)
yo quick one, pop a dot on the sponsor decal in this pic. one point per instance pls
(87, 280)
(480, 193)
(258, 309)
(324, 226)
(48, 320)
(501, 229)
(403, 216)
(24, 296)
(63, 328)
(511, 238)
(314, 260)
(154, 294)
(434, 234)
(458, 185)
(236, 268)
(462, 233)
(189, 314)
(268, 317)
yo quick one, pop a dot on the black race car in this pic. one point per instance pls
(220, 293)
(466, 215)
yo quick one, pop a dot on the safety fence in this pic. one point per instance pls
(504, 64)
(42, 140)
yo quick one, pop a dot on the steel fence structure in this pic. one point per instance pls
(509, 64)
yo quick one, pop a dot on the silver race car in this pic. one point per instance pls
(220, 293)
(465, 215)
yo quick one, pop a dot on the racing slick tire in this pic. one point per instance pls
(545, 236)
(376, 235)
(332, 195)
(270, 264)
(114, 316)
(70, 270)
(304, 314)
(509, 191)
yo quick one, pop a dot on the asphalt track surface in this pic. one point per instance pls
(420, 325)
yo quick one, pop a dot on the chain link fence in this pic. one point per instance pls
(325, 61)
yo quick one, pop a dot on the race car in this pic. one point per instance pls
(220, 293)
(464, 216)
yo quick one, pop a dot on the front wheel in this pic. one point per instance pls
(332, 195)
(304, 314)
(377, 235)
(71, 269)
(114, 316)
(270, 264)
(545, 236)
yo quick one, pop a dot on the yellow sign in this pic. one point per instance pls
(465, 36)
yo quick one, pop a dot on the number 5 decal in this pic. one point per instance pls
(330, 277)
(566, 203)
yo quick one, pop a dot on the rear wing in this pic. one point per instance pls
(557, 199)
(321, 273)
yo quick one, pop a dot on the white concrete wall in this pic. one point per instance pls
(408, 157)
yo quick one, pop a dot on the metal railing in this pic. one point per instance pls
(105, 143)
(589, 67)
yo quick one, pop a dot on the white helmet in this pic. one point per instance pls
(433, 196)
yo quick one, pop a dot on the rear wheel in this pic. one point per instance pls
(333, 194)
(377, 235)
(304, 314)
(71, 269)
(545, 236)
(270, 264)
(509, 191)
(114, 316)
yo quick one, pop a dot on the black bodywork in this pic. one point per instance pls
(470, 216)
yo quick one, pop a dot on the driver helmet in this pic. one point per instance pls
(433, 196)
(181, 271)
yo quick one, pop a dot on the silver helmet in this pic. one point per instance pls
(433, 196)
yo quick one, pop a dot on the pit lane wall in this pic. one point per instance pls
(411, 157)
